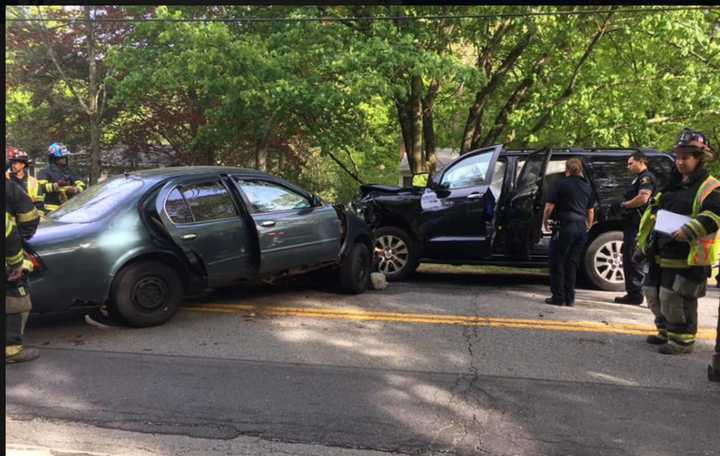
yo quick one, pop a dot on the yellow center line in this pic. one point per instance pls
(437, 319)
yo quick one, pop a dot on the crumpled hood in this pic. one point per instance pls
(377, 189)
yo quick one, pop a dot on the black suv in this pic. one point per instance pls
(486, 208)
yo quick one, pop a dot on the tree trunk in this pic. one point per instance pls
(93, 101)
(261, 156)
(414, 105)
(429, 140)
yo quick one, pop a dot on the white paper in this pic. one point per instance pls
(669, 222)
(429, 201)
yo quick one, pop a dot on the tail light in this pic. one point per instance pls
(34, 259)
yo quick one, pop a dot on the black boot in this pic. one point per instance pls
(627, 299)
(555, 302)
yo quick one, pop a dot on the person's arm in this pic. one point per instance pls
(549, 208)
(590, 217)
(640, 199)
(706, 222)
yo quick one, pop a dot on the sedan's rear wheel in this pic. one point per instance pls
(604, 262)
(147, 293)
(395, 252)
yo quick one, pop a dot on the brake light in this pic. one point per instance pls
(34, 260)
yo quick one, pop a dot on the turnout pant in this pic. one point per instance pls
(632, 270)
(566, 247)
(17, 310)
(672, 295)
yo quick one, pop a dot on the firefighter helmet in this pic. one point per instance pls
(13, 154)
(57, 150)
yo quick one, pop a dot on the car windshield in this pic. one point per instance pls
(97, 201)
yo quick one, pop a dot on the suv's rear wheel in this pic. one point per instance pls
(396, 253)
(603, 262)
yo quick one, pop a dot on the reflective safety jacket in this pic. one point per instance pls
(21, 221)
(32, 187)
(702, 231)
(53, 174)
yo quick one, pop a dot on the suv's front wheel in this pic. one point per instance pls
(395, 252)
(603, 263)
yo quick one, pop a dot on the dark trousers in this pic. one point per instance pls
(632, 270)
(717, 334)
(566, 247)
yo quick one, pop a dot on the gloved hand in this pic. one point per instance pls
(14, 274)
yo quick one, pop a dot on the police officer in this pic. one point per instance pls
(681, 262)
(572, 201)
(637, 194)
(58, 181)
(21, 221)
(19, 162)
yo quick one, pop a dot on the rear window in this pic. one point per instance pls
(98, 200)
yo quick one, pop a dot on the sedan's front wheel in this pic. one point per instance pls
(355, 269)
(146, 293)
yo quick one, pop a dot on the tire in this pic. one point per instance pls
(603, 264)
(396, 253)
(146, 294)
(354, 273)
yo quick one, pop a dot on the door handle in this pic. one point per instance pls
(267, 223)
(189, 237)
(474, 195)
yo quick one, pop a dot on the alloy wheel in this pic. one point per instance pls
(392, 252)
(608, 262)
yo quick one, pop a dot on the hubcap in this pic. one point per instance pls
(392, 253)
(608, 262)
(150, 293)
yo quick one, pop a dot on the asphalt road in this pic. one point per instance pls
(466, 364)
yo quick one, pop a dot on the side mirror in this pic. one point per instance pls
(315, 200)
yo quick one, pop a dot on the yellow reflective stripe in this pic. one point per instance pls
(681, 337)
(80, 185)
(673, 263)
(15, 260)
(705, 189)
(710, 214)
(12, 350)
(697, 228)
(51, 207)
(29, 216)
(9, 224)
(32, 185)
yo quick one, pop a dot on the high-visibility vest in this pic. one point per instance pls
(705, 248)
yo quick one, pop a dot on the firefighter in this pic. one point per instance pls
(636, 196)
(17, 172)
(681, 262)
(21, 221)
(58, 181)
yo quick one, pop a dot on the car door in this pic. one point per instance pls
(457, 210)
(204, 219)
(522, 220)
(291, 232)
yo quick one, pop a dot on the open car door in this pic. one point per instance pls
(457, 208)
(204, 219)
(522, 224)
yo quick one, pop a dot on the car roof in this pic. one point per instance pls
(176, 171)
(618, 152)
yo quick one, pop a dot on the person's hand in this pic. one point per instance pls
(71, 190)
(14, 274)
(546, 225)
(56, 187)
(680, 235)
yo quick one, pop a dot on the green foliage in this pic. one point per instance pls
(317, 101)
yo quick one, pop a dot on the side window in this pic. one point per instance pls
(528, 181)
(496, 186)
(177, 209)
(209, 201)
(610, 176)
(268, 197)
(469, 172)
